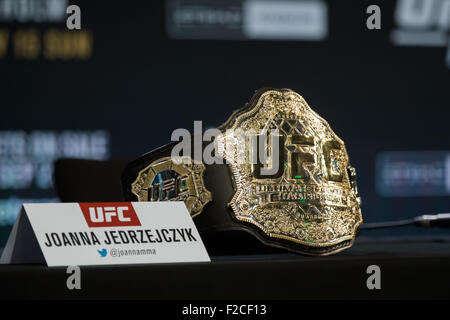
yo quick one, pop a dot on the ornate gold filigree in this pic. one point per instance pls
(168, 179)
(313, 200)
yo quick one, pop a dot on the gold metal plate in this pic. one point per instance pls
(312, 199)
(167, 179)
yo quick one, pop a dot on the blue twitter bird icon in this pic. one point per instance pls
(102, 252)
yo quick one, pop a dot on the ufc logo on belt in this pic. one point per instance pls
(291, 158)
(109, 214)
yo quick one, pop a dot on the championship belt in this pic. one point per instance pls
(304, 199)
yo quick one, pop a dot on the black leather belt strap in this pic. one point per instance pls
(220, 230)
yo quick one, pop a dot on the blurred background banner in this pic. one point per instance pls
(137, 70)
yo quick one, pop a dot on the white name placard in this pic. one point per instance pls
(62, 234)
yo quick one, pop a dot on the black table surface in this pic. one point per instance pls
(411, 268)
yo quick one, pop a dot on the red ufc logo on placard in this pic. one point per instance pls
(109, 214)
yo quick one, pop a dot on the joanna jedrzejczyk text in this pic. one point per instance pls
(119, 237)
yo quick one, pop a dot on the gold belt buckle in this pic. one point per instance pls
(312, 198)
